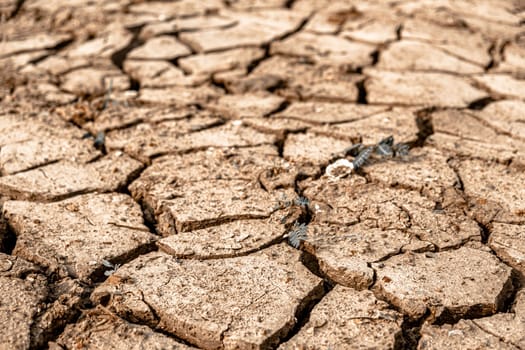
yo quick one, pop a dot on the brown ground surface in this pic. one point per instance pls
(180, 174)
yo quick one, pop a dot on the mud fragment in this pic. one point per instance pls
(345, 252)
(502, 85)
(346, 318)
(449, 285)
(416, 88)
(500, 331)
(313, 148)
(246, 105)
(37, 42)
(179, 95)
(508, 243)
(164, 47)
(253, 29)
(509, 117)
(375, 29)
(27, 143)
(325, 49)
(24, 294)
(65, 179)
(493, 191)
(181, 139)
(149, 139)
(160, 74)
(202, 204)
(279, 126)
(371, 128)
(210, 63)
(513, 59)
(120, 117)
(463, 335)
(230, 239)
(417, 56)
(100, 329)
(347, 202)
(94, 81)
(328, 113)
(72, 237)
(249, 164)
(114, 39)
(424, 170)
(184, 8)
(32, 309)
(248, 301)
(184, 24)
(329, 19)
(457, 40)
(303, 79)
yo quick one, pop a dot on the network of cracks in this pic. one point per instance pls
(262, 174)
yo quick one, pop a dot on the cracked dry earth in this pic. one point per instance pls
(155, 156)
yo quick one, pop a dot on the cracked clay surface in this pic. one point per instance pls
(248, 174)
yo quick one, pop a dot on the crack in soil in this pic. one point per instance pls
(410, 328)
